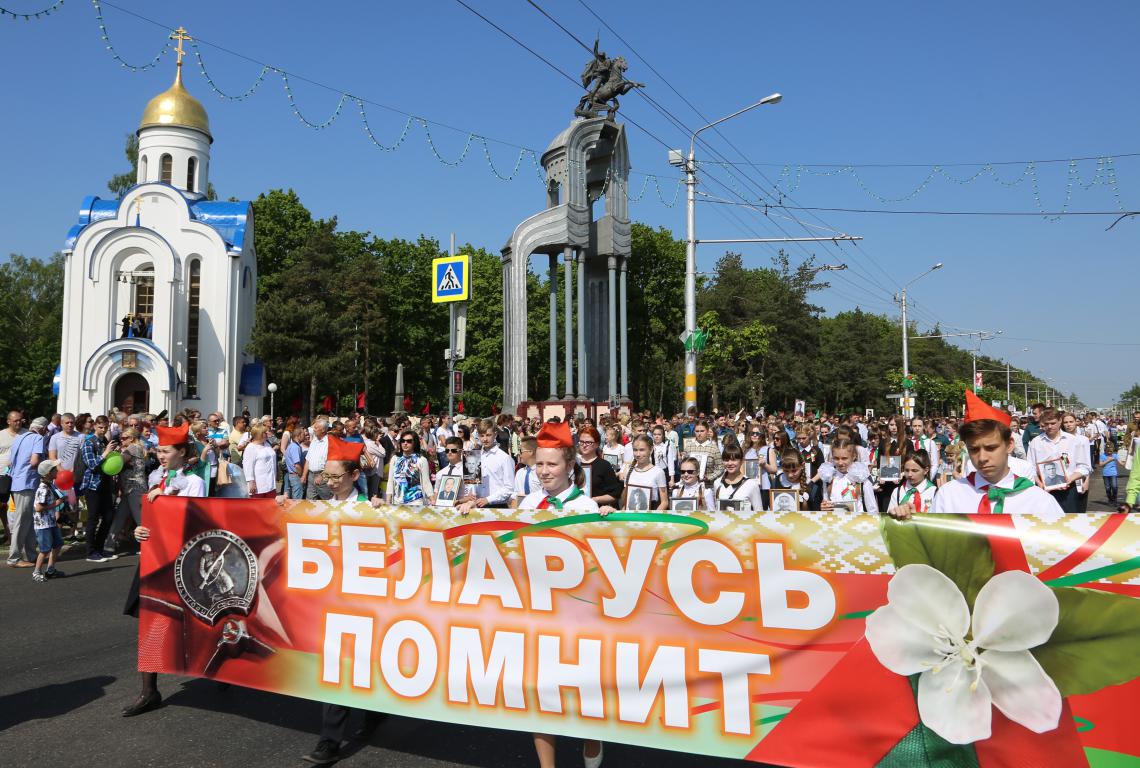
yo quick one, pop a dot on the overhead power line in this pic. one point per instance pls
(1116, 155)
(715, 201)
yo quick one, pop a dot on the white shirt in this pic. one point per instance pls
(1073, 448)
(652, 479)
(696, 491)
(260, 465)
(581, 504)
(926, 492)
(318, 454)
(961, 497)
(183, 484)
(855, 481)
(526, 481)
(498, 475)
(747, 488)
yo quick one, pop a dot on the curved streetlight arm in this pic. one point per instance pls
(772, 99)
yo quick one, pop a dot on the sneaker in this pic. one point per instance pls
(96, 557)
(21, 564)
(595, 761)
(327, 752)
(54, 573)
(109, 555)
(38, 576)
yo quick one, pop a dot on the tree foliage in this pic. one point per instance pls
(31, 315)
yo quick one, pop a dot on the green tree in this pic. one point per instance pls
(31, 318)
(656, 313)
(301, 329)
(282, 224)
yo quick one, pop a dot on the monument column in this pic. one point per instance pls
(612, 263)
(568, 263)
(623, 389)
(508, 392)
(583, 356)
(553, 326)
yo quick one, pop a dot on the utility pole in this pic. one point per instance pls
(907, 408)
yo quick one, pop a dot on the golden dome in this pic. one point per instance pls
(175, 106)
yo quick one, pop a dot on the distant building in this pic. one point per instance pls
(160, 287)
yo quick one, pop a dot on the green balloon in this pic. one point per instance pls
(113, 464)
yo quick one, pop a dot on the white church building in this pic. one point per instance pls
(160, 286)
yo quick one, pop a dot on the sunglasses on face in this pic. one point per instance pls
(405, 440)
(453, 450)
(688, 471)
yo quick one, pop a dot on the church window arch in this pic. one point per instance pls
(166, 168)
(142, 169)
(191, 172)
(142, 308)
(194, 302)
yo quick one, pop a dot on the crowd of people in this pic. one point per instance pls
(86, 476)
(105, 464)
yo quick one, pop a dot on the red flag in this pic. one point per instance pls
(427, 408)
(494, 409)
(295, 404)
(460, 407)
(360, 401)
(327, 404)
(407, 402)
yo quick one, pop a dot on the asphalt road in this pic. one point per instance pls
(68, 667)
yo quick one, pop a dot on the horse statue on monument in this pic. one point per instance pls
(608, 79)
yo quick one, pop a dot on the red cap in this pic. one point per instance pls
(978, 409)
(174, 435)
(341, 450)
(555, 435)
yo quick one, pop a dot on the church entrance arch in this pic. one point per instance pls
(132, 394)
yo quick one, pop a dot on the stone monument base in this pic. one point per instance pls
(546, 409)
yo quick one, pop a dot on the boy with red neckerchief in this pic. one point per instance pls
(992, 488)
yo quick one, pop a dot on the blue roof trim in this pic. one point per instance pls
(228, 219)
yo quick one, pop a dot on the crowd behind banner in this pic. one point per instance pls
(742, 462)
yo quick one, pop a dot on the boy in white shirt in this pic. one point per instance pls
(1052, 444)
(526, 482)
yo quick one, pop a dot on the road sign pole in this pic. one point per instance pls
(451, 343)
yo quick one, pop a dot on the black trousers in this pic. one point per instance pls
(100, 512)
(334, 719)
(1068, 499)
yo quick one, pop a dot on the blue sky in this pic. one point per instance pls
(878, 83)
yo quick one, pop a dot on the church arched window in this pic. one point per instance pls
(166, 168)
(143, 279)
(142, 169)
(194, 296)
(191, 171)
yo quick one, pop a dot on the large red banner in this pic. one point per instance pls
(796, 638)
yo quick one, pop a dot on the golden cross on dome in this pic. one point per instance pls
(180, 35)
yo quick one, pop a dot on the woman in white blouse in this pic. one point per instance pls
(259, 462)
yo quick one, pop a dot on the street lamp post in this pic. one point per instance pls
(690, 168)
(907, 409)
(272, 391)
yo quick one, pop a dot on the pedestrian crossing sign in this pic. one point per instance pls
(451, 278)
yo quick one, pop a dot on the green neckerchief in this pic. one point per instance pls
(554, 501)
(999, 495)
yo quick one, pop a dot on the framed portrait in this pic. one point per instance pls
(847, 505)
(702, 460)
(739, 506)
(614, 459)
(869, 413)
(890, 468)
(587, 484)
(638, 498)
(449, 489)
(800, 408)
(752, 468)
(1053, 473)
(688, 444)
(471, 466)
(684, 505)
(784, 500)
